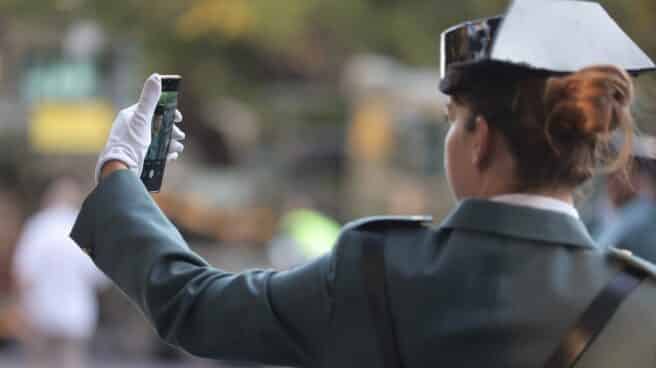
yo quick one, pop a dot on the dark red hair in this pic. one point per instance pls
(559, 128)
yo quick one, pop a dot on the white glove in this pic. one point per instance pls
(130, 135)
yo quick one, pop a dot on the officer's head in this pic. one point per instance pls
(534, 102)
(540, 134)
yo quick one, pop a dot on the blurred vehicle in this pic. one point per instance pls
(397, 125)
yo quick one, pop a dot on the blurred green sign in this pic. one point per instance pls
(59, 81)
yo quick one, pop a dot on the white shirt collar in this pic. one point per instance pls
(539, 202)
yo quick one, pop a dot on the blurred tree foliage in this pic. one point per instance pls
(234, 45)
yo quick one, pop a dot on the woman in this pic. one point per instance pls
(510, 279)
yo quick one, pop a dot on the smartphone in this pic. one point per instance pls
(161, 129)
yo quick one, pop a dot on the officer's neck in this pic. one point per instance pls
(490, 188)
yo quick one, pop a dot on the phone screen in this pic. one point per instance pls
(161, 129)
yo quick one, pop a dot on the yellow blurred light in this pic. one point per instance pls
(70, 128)
(232, 18)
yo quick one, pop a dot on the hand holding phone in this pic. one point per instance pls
(130, 137)
(162, 129)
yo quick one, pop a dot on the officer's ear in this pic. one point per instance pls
(483, 145)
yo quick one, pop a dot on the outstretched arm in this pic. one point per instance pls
(260, 316)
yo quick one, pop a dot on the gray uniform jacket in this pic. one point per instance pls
(493, 286)
(634, 229)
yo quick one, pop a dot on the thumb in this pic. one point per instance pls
(149, 97)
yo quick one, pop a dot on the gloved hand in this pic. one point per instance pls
(130, 135)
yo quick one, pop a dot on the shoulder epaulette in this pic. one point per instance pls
(381, 223)
(628, 258)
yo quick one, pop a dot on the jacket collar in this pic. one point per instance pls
(519, 222)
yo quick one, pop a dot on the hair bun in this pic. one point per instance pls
(592, 101)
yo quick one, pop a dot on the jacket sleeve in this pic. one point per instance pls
(269, 317)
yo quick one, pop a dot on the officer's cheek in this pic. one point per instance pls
(451, 158)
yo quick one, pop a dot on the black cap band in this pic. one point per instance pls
(468, 42)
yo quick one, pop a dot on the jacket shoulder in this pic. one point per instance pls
(631, 260)
(381, 224)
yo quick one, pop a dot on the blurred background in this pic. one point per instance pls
(301, 115)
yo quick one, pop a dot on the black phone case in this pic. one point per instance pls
(152, 174)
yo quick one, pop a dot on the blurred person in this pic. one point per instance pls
(632, 195)
(510, 279)
(57, 282)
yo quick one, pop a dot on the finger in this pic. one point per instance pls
(148, 100)
(178, 134)
(176, 146)
(178, 117)
(172, 156)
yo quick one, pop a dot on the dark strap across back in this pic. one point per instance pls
(570, 349)
(583, 333)
(373, 267)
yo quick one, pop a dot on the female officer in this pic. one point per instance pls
(510, 279)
